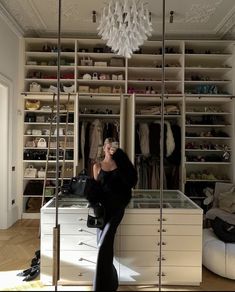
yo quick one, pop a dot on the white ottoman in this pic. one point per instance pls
(218, 256)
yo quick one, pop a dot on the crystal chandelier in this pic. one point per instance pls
(125, 25)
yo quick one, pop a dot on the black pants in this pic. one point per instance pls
(106, 278)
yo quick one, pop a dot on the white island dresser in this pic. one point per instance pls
(137, 241)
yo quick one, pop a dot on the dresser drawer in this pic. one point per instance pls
(181, 275)
(67, 258)
(151, 243)
(70, 242)
(138, 275)
(170, 275)
(64, 218)
(155, 229)
(153, 219)
(71, 229)
(69, 275)
(134, 259)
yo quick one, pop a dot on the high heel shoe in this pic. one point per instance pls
(33, 274)
(25, 272)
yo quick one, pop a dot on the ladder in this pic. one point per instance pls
(49, 156)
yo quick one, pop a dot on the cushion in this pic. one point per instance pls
(226, 200)
(219, 188)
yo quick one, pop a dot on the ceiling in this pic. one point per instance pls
(211, 19)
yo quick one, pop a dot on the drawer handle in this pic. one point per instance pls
(163, 259)
(163, 230)
(163, 219)
(163, 274)
(80, 229)
(80, 243)
(163, 243)
(80, 274)
(80, 259)
(80, 219)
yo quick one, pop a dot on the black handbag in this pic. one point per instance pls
(96, 216)
(78, 183)
(224, 230)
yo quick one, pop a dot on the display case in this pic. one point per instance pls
(137, 242)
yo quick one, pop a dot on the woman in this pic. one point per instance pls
(114, 177)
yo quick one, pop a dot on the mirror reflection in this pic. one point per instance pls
(164, 95)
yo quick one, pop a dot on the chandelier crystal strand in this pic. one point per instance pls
(125, 25)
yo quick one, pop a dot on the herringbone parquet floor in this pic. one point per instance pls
(18, 244)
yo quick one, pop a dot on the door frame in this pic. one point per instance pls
(6, 204)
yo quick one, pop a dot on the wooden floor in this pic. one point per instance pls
(18, 244)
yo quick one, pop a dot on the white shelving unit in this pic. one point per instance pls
(196, 72)
(37, 157)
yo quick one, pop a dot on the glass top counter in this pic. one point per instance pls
(141, 199)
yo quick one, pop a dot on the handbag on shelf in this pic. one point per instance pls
(86, 61)
(41, 172)
(117, 62)
(40, 119)
(30, 144)
(34, 87)
(96, 216)
(33, 188)
(68, 172)
(42, 143)
(32, 104)
(36, 132)
(30, 172)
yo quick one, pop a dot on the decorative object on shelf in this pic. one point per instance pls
(34, 87)
(125, 25)
(32, 104)
(30, 172)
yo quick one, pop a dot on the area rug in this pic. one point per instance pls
(30, 286)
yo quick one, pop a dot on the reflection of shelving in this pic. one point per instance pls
(208, 144)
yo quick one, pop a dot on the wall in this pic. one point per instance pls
(9, 72)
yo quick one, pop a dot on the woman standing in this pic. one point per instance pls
(114, 178)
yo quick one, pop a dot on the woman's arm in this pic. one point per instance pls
(96, 170)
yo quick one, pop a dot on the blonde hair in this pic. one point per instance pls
(109, 140)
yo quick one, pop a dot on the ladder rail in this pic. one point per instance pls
(48, 152)
(65, 141)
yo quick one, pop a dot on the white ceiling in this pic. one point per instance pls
(213, 19)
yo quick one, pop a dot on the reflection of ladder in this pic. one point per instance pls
(51, 155)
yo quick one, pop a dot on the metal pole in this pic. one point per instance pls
(56, 230)
(162, 143)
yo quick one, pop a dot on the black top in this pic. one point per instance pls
(113, 188)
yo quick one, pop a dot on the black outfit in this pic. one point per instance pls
(113, 190)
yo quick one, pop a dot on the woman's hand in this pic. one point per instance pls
(114, 147)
